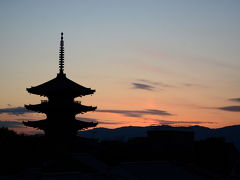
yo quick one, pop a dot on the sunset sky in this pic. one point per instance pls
(151, 62)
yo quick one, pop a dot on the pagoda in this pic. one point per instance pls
(60, 108)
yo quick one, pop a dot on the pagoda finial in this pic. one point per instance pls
(61, 55)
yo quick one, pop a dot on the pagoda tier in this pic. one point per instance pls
(59, 86)
(73, 108)
(50, 127)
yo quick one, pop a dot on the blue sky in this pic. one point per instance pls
(191, 46)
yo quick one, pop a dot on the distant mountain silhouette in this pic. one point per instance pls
(229, 133)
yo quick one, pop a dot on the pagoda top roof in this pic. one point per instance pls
(60, 85)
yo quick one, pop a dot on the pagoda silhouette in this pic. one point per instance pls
(60, 108)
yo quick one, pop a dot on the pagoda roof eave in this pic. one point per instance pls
(45, 124)
(75, 108)
(60, 85)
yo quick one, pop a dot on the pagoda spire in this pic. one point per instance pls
(61, 55)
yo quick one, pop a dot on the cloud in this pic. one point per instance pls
(99, 121)
(180, 122)
(87, 119)
(149, 85)
(193, 85)
(15, 110)
(27, 119)
(230, 108)
(143, 86)
(138, 113)
(235, 99)
(155, 83)
(105, 122)
(11, 124)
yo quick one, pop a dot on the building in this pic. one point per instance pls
(60, 108)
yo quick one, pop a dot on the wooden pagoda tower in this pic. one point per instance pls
(60, 108)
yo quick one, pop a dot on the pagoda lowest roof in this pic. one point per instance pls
(60, 85)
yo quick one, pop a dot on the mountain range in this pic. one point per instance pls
(229, 133)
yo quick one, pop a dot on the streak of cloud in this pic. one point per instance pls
(15, 111)
(138, 113)
(87, 119)
(230, 108)
(113, 123)
(235, 99)
(11, 124)
(98, 120)
(193, 85)
(143, 86)
(149, 85)
(155, 83)
(166, 122)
